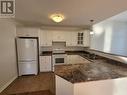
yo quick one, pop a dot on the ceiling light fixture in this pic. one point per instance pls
(91, 28)
(57, 17)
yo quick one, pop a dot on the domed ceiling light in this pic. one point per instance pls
(57, 17)
(91, 29)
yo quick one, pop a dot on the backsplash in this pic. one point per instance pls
(110, 56)
(70, 48)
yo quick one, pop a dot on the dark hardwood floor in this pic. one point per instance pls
(46, 92)
(42, 84)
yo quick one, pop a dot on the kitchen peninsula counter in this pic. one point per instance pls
(94, 70)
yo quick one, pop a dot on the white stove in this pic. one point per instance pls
(59, 57)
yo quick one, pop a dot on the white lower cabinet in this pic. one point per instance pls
(103, 87)
(45, 63)
(63, 87)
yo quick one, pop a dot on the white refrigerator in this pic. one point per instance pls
(27, 51)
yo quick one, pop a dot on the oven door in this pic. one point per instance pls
(59, 59)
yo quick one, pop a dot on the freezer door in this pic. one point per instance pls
(27, 49)
(29, 67)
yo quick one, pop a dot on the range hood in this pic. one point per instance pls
(59, 47)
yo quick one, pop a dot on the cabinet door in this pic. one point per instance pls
(80, 38)
(86, 38)
(59, 35)
(71, 39)
(83, 38)
(63, 87)
(48, 63)
(74, 39)
(45, 63)
(27, 32)
(42, 38)
(42, 63)
(45, 38)
(49, 37)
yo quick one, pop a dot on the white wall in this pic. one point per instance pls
(110, 37)
(8, 67)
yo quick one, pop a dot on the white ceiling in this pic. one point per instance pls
(77, 12)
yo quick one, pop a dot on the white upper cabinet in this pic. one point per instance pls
(71, 38)
(86, 40)
(27, 31)
(83, 38)
(78, 38)
(45, 38)
(59, 36)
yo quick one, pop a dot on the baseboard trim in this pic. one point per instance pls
(7, 84)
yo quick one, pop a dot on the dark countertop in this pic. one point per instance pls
(46, 53)
(98, 69)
